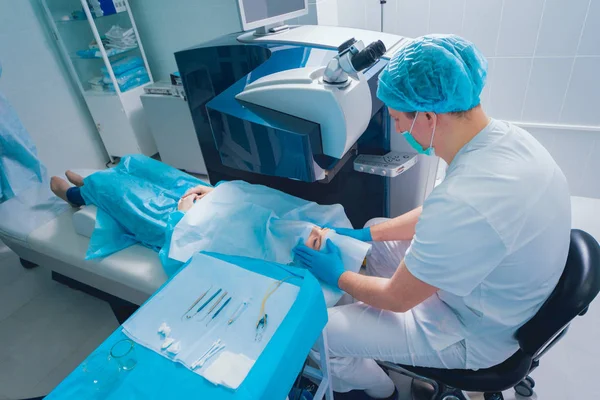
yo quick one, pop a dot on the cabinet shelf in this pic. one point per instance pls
(63, 21)
(99, 56)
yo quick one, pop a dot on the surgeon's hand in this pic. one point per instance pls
(199, 190)
(363, 235)
(187, 202)
(326, 265)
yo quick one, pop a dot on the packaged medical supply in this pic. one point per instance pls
(100, 8)
(120, 38)
(97, 84)
(126, 76)
(130, 84)
(124, 64)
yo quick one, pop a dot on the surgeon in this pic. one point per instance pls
(484, 251)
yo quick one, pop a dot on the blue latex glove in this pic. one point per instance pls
(358, 234)
(326, 265)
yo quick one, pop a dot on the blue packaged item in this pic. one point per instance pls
(134, 200)
(20, 167)
(123, 65)
(101, 8)
(127, 75)
(131, 83)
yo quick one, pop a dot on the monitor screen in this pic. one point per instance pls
(260, 10)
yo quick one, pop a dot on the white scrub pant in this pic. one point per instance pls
(359, 334)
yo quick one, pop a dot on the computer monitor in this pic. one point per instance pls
(259, 13)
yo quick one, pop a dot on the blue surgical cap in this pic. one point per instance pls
(437, 73)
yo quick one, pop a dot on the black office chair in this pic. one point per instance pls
(577, 287)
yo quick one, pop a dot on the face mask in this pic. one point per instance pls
(430, 151)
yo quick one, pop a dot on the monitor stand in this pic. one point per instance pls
(271, 29)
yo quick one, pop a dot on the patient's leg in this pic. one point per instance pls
(59, 187)
(74, 178)
(62, 189)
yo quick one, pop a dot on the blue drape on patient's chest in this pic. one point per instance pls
(134, 200)
(20, 167)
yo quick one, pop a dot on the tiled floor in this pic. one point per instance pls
(46, 329)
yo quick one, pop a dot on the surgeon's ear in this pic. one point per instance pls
(431, 118)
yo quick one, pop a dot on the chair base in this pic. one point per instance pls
(27, 264)
(424, 391)
(424, 388)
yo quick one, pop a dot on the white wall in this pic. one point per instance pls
(167, 27)
(38, 86)
(544, 64)
(320, 12)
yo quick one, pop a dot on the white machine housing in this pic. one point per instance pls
(342, 111)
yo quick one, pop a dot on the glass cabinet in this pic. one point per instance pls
(104, 54)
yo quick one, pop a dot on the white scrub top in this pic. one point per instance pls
(494, 238)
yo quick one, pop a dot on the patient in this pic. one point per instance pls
(72, 194)
(317, 238)
(144, 201)
(137, 200)
(263, 223)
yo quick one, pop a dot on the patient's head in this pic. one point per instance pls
(317, 238)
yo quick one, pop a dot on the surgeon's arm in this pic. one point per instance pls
(400, 293)
(399, 228)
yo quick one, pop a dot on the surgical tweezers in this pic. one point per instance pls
(219, 311)
(214, 305)
(196, 302)
(207, 302)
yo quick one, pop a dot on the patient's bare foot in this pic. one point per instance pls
(74, 178)
(59, 187)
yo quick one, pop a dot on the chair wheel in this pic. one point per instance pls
(453, 395)
(493, 396)
(530, 381)
(27, 264)
(523, 389)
